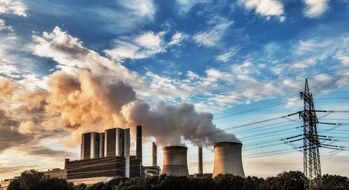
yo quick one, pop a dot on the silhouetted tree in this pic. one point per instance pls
(14, 185)
(34, 180)
(229, 182)
(80, 187)
(334, 182)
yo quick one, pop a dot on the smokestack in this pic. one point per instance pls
(175, 161)
(200, 160)
(155, 154)
(127, 152)
(139, 143)
(227, 159)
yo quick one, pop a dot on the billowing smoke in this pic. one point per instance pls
(85, 102)
(170, 123)
(90, 93)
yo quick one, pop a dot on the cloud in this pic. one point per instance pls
(344, 60)
(310, 62)
(41, 151)
(142, 46)
(71, 56)
(267, 8)
(26, 128)
(213, 36)
(225, 57)
(315, 8)
(9, 136)
(141, 8)
(13, 53)
(7, 169)
(16, 7)
(186, 5)
(7, 88)
(177, 38)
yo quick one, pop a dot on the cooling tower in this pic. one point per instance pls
(175, 161)
(227, 159)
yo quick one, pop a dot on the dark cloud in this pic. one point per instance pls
(9, 135)
(7, 169)
(46, 152)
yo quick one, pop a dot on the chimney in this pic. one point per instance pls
(127, 152)
(155, 154)
(175, 161)
(227, 159)
(139, 143)
(200, 160)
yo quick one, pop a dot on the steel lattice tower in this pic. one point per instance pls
(311, 143)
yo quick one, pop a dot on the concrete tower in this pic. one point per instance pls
(139, 143)
(227, 159)
(155, 154)
(175, 161)
(90, 145)
(127, 151)
(114, 142)
(200, 166)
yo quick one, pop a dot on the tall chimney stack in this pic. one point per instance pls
(200, 170)
(139, 143)
(155, 154)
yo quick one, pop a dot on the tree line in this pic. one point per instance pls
(292, 180)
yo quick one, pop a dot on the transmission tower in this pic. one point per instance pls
(311, 143)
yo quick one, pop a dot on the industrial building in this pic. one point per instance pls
(106, 155)
(56, 173)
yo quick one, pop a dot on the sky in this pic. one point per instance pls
(181, 68)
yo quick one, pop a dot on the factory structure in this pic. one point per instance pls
(106, 155)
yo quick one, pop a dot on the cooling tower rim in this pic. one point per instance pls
(175, 147)
(223, 143)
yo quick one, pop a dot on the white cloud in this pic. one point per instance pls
(11, 58)
(13, 7)
(212, 37)
(344, 60)
(142, 46)
(177, 38)
(266, 7)
(142, 8)
(310, 62)
(315, 8)
(186, 5)
(225, 57)
(71, 55)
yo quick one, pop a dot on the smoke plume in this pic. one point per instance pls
(90, 93)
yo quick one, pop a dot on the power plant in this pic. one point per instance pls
(227, 159)
(175, 161)
(107, 155)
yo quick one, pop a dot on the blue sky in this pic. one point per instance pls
(231, 58)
